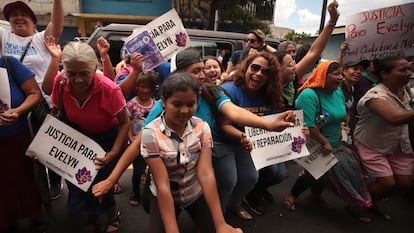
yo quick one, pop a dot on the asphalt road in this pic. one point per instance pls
(308, 218)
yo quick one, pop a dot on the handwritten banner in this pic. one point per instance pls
(275, 147)
(316, 163)
(380, 33)
(168, 33)
(66, 151)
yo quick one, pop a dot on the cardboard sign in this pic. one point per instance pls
(5, 97)
(316, 163)
(144, 44)
(275, 147)
(380, 33)
(66, 151)
(168, 33)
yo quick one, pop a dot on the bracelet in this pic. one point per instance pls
(331, 24)
(103, 59)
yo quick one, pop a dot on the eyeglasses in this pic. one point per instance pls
(256, 68)
(251, 40)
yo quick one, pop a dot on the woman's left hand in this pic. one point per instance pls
(8, 118)
(246, 143)
(102, 162)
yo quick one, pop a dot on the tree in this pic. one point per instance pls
(232, 16)
(298, 38)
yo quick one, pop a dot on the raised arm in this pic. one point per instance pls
(53, 69)
(342, 50)
(128, 84)
(103, 47)
(55, 26)
(320, 43)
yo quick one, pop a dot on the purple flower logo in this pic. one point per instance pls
(3, 107)
(181, 39)
(297, 144)
(83, 176)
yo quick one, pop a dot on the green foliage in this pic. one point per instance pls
(298, 38)
(234, 18)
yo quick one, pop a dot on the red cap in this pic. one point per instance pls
(8, 8)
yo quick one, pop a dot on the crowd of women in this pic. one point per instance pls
(190, 132)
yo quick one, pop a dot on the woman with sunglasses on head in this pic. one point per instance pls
(257, 88)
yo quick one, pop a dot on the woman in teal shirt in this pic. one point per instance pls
(324, 110)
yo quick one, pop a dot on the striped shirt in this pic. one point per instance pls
(179, 154)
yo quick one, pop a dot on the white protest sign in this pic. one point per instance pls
(144, 44)
(66, 151)
(380, 33)
(5, 97)
(276, 147)
(168, 33)
(316, 163)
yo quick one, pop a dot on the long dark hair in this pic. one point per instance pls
(273, 89)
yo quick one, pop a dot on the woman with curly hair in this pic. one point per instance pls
(257, 88)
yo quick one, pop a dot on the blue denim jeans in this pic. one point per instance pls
(235, 173)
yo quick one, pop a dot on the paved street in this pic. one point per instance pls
(307, 218)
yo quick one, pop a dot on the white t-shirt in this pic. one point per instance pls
(37, 58)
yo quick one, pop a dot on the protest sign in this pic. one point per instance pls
(168, 33)
(276, 147)
(5, 97)
(144, 44)
(66, 151)
(316, 163)
(380, 33)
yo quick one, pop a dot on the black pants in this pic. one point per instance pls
(139, 168)
(198, 211)
(305, 181)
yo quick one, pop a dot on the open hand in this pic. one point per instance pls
(54, 48)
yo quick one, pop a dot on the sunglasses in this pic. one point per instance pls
(256, 68)
(251, 40)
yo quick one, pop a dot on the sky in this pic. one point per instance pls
(304, 15)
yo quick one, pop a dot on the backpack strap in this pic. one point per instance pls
(12, 72)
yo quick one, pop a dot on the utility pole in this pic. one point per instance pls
(323, 15)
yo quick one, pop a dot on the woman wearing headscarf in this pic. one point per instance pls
(324, 110)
